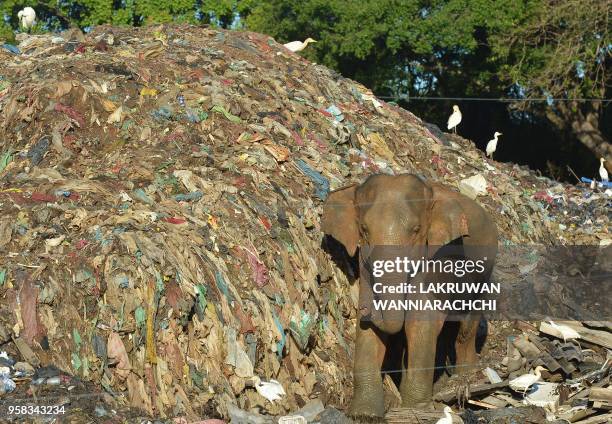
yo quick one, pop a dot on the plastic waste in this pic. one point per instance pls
(473, 186)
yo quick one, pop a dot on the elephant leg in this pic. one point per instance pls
(368, 396)
(465, 345)
(416, 387)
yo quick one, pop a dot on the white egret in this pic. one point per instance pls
(271, 390)
(492, 144)
(446, 419)
(27, 17)
(454, 119)
(525, 381)
(603, 172)
(567, 333)
(298, 46)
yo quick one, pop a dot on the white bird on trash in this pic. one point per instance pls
(567, 333)
(298, 46)
(525, 381)
(492, 144)
(454, 119)
(603, 172)
(27, 17)
(271, 390)
(446, 419)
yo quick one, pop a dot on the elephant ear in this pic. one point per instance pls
(340, 218)
(448, 219)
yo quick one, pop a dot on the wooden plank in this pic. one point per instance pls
(598, 419)
(450, 396)
(600, 393)
(527, 349)
(606, 325)
(482, 404)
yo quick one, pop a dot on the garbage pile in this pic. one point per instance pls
(564, 368)
(160, 195)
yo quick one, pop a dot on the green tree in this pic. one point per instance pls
(561, 49)
(462, 48)
(53, 14)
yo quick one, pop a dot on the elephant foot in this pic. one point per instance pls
(370, 406)
(366, 418)
(423, 405)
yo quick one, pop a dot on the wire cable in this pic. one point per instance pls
(492, 99)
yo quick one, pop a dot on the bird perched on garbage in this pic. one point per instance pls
(27, 17)
(446, 419)
(454, 119)
(525, 381)
(603, 172)
(567, 333)
(298, 46)
(271, 390)
(492, 144)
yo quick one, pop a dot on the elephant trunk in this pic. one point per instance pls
(380, 306)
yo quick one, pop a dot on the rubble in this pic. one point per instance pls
(160, 194)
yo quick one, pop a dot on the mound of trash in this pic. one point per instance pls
(160, 198)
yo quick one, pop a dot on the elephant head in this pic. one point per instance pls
(385, 210)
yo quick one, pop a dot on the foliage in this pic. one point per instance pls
(562, 50)
(83, 13)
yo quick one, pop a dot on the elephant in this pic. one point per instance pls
(405, 210)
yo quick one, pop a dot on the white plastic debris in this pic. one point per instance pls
(492, 375)
(237, 357)
(473, 186)
(292, 419)
(6, 384)
(125, 197)
(5, 372)
(54, 242)
(271, 390)
(545, 396)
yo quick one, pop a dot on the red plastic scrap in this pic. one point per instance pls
(542, 195)
(313, 137)
(174, 220)
(297, 138)
(227, 82)
(68, 140)
(73, 114)
(265, 222)
(240, 182)
(260, 43)
(42, 197)
(246, 324)
(80, 49)
(259, 270)
(324, 112)
(116, 169)
(436, 160)
(80, 244)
